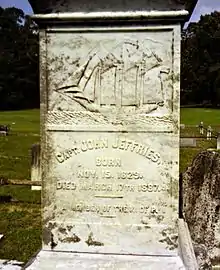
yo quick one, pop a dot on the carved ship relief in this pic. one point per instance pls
(114, 85)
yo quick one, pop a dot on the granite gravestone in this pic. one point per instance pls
(110, 137)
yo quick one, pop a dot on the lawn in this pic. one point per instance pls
(20, 220)
(193, 116)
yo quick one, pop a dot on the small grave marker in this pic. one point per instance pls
(4, 130)
(187, 142)
(209, 133)
(35, 165)
(3, 133)
(218, 141)
(182, 126)
(201, 128)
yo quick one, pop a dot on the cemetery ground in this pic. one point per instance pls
(20, 218)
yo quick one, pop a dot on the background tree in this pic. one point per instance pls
(19, 80)
(200, 74)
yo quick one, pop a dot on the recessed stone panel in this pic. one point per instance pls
(110, 72)
(112, 141)
(113, 192)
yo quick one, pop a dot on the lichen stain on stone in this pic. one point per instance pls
(146, 225)
(48, 197)
(69, 227)
(176, 77)
(170, 239)
(62, 230)
(201, 206)
(173, 188)
(159, 218)
(139, 228)
(46, 236)
(72, 239)
(52, 242)
(92, 242)
(171, 245)
(47, 233)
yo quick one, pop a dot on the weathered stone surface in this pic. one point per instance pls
(186, 250)
(202, 257)
(112, 145)
(110, 134)
(201, 185)
(68, 261)
(10, 265)
(112, 5)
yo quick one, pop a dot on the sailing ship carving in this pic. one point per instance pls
(117, 78)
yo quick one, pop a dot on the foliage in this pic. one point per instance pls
(200, 73)
(19, 87)
(19, 64)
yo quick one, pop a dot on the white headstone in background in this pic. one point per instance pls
(201, 128)
(187, 142)
(110, 139)
(35, 165)
(209, 133)
(218, 141)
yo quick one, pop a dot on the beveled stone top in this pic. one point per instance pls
(54, 6)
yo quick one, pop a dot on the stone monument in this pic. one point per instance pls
(110, 85)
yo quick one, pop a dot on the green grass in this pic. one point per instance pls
(20, 221)
(27, 121)
(193, 116)
(187, 154)
(20, 224)
(15, 148)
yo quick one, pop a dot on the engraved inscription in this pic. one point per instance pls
(108, 162)
(107, 178)
(129, 175)
(66, 185)
(148, 211)
(85, 174)
(111, 135)
(118, 187)
(118, 144)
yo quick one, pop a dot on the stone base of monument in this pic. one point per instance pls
(46, 260)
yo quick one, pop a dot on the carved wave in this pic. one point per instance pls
(76, 118)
